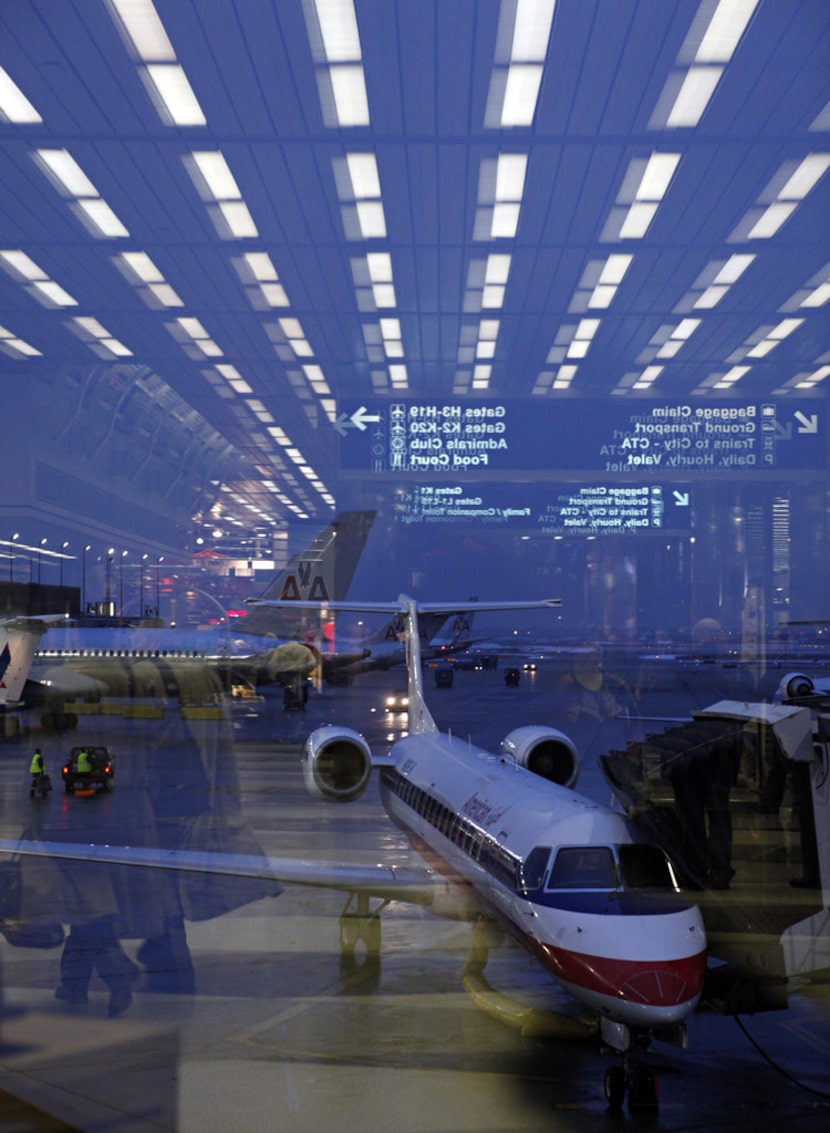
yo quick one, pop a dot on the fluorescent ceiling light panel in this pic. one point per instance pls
(371, 219)
(710, 297)
(192, 327)
(238, 219)
(657, 176)
(338, 27)
(379, 265)
(91, 326)
(811, 169)
(261, 266)
(24, 266)
(274, 294)
(14, 105)
(492, 296)
(505, 220)
(511, 169)
(818, 297)
(217, 175)
(54, 293)
(363, 174)
(602, 296)
(349, 90)
(785, 328)
(615, 268)
(102, 216)
(488, 329)
(521, 92)
(485, 349)
(173, 88)
(771, 220)
(116, 347)
(638, 220)
(65, 169)
(531, 30)
(165, 294)
(497, 269)
(725, 29)
(141, 22)
(734, 268)
(693, 97)
(384, 295)
(686, 327)
(142, 267)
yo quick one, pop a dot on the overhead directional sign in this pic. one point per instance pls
(631, 438)
(549, 509)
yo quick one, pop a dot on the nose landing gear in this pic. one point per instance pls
(634, 1080)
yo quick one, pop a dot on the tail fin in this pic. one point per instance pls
(321, 573)
(19, 639)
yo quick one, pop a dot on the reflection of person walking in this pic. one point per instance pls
(36, 769)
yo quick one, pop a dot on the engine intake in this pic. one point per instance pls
(795, 686)
(546, 752)
(337, 764)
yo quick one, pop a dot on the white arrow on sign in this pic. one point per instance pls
(681, 498)
(806, 424)
(358, 420)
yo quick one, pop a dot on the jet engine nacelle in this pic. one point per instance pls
(796, 685)
(544, 751)
(337, 764)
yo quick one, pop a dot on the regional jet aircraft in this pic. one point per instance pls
(505, 840)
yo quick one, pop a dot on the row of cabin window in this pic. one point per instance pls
(470, 840)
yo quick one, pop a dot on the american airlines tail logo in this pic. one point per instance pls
(304, 586)
(5, 661)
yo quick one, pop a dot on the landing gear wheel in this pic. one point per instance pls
(615, 1087)
(642, 1090)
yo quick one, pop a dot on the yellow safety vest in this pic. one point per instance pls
(36, 765)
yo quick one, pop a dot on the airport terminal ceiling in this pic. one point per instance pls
(237, 238)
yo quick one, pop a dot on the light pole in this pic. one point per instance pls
(64, 545)
(142, 608)
(159, 561)
(11, 556)
(88, 547)
(43, 543)
(110, 553)
(121, 584)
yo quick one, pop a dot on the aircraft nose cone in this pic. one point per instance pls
(660, 987)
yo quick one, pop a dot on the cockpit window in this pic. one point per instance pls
(583, 867)
(532, 871)
(644, 867)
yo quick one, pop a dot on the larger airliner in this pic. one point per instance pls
(82, 662)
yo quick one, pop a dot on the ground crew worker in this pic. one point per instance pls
(84, 762)
(36, 769)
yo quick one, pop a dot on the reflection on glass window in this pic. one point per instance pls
(584, 867)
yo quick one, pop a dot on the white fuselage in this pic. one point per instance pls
(635, 956)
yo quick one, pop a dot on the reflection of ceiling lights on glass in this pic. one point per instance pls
(708, 48)
(90, 207)
(10, 340)
(167, 84)
(521, 50)
(91, 332)
(156, 292)
(798, 184)
(40, 286)
(336, 43)
(215, 183)
(653, 178)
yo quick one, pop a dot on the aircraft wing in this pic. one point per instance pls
(416, 886)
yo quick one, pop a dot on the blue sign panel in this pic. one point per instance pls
(550, 509)
(628, 438)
